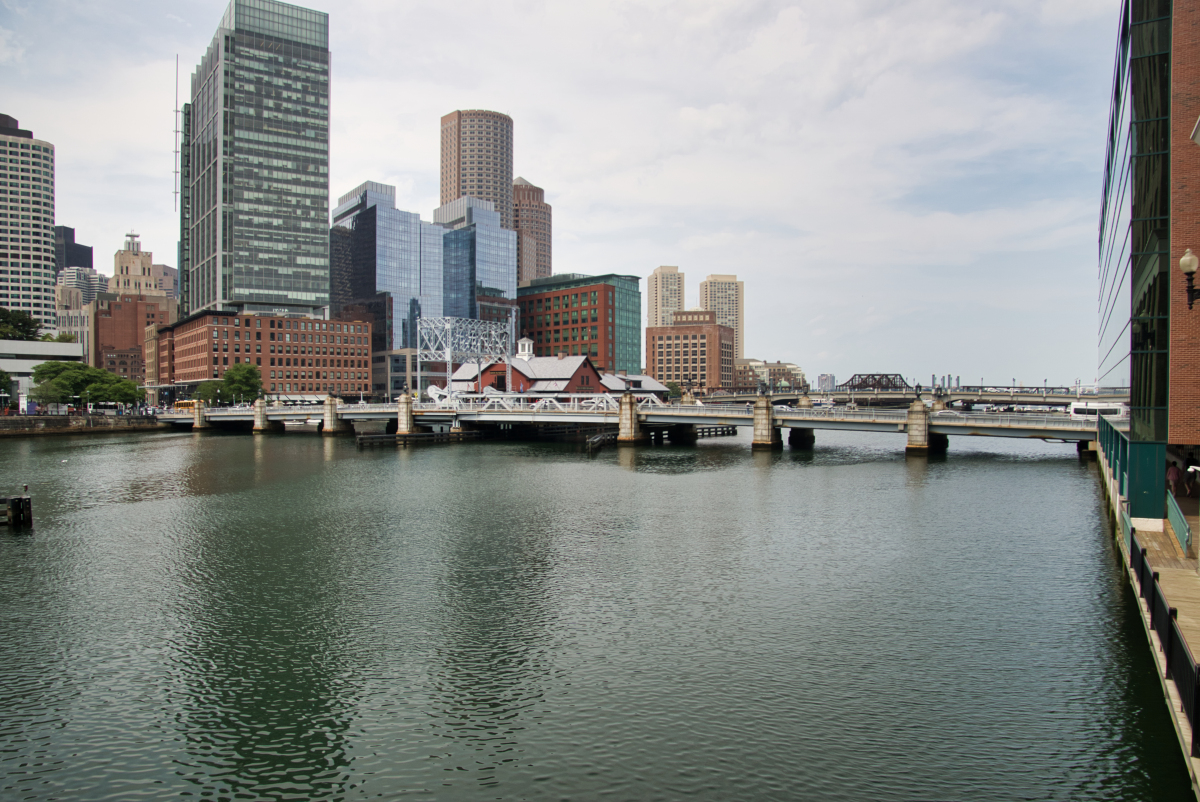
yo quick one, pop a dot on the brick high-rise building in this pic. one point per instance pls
(118, 324)
(726, 296)
(577, 315)
(694, 352)
(664, 295)
(27, 217)
(477, 159)
(533, 219)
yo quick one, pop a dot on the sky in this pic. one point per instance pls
(904, 186)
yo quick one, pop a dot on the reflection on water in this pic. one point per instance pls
(286, 617)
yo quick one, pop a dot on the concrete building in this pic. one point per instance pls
(695, 352)
(254, 165)
(166, 278)
(18, 358)
(477, 159)
(72, 317)
(726, 296)
(533, 219)
(297, 357)
(664, 295)
(27, 218)
(479, 261)
(133, 270)
(826, 382)
(68, 252)
(118, 322)
(386, 262)
(84, 279)
(751, 375)
(578, 315)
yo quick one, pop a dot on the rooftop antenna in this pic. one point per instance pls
(175, 204)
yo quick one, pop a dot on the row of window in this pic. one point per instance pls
(564, 301)
(569, 335)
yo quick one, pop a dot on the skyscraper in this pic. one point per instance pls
(477, 159)
(479, 261)
(726, 296)
(27, 217)
(133, 270)
(254, 164)
(532, 217)
(664, 295)
(68, 252)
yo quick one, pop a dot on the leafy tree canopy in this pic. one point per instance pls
(119, 391)
(242, 382)
(61, 337)
(674, 388)
(208, 392)
(16, 325)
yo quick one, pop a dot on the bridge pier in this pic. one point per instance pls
(261, 424)
(199, 419)
(630, 430)
(766, 434)
(917, 426)
(331, 424)
(801, 438)
(683, 433)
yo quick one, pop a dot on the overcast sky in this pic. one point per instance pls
(905, 187)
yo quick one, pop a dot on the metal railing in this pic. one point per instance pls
(1183, 530)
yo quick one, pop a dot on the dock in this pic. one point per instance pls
(414, 438)
(16, 511)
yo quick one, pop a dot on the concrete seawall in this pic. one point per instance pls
(38, 425)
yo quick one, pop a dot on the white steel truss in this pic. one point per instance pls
(462, 340)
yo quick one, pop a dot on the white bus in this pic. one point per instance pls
(1085, 410)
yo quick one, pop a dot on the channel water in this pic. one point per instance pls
(221, 616)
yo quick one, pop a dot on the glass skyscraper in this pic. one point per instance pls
(479, 263)
(386, 260)
(254, 164)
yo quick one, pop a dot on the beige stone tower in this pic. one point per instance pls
(133, 270)
(477, 148)
(533, 221)
(664, 295)
(726, 296)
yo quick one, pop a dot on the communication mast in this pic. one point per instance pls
(177, 132)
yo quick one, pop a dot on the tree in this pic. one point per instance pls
(74, 378)
(113, 390)
(61, 337)
(15, 325)
(243, 382)
(48, 392)
(674, 389)
(207, 392)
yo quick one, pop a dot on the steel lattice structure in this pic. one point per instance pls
(875, 381)
(462, 340)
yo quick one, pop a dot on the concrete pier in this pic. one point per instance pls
(766, 433)
(331, 423)
(404, 415)
(630, 430)
(683, 433)
(917, 426)
(261, 424)
(199, 421)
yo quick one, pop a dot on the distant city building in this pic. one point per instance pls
(166, 278)
(726, 296)
(297, 357)
(577, 315)
(118, 324)
(133, 270)
(694, 352)
(18, 358)
(254, 164)
(27, 217)
(479, 261)
(386, 262)
(68, 252)
(826, 382)
(84, 279)
(533, 219)
(664, 295)
(752, 375)
(477, 160)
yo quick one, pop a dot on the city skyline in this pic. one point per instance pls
(923, 232)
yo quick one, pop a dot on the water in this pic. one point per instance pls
(285, 617)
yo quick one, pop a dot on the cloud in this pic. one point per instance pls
(10, 51)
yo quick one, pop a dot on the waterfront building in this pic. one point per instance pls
(68, 252)
(254, 164)
(477, 159)
(72, 316)
(18, 358)
(84, 279)
(533, 219)
(133, 270)
(1149, 338)
(386, 262)
(664, 295)
(394, 373)
(636, 383)
(695, 352)
(479, 261)
(27, 218)
(531, 374)
(117, 330)
(750, 375)
(297, 357)
(726, 296)
(578, 315)
(826, 382)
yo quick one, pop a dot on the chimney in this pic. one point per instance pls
(622, 373)
(561, 354)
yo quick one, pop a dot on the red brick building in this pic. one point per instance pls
(118, 324)
(533, 374)
(694, 352)
(593, 316)
(294, 355)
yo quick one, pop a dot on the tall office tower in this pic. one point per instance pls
(533, 219)
(254, 164)
(133, 269)
(68, 252)
(479, 261)
(386, 261)
(86, 280)
(27, 217)
(166, 278)
(664, 295)
(726, 296)
(477, 148)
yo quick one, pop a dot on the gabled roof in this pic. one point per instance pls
(538, 368)
(634, 382)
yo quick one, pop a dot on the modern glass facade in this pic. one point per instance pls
(255, 163)
(378, 249)
(479, 262)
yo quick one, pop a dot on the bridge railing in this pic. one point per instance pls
(1015, 421)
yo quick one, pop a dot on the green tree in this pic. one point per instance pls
(15, 325)
(49, 392)
(207, 392)
(114, 390)
(61, 337)
(242, 382)
(675, 390)
(74, 378)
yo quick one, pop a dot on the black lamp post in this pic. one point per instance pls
(1188, 265)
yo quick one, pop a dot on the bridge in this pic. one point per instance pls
(966, 396)
(638, 419)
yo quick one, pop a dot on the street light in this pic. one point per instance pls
(1188, 265)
